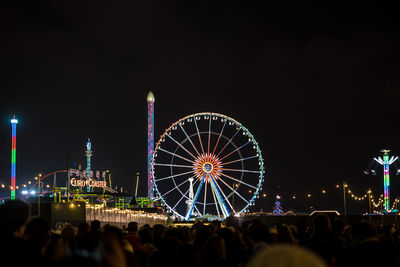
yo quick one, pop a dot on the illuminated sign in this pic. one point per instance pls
(90, 182)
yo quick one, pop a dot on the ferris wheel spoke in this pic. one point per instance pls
(198, 134)
(173, 165)
(205, 195)
(242, 159)
(190, 140)
(179, 144)
(238, 148)
(195, 207)
(230, 140)
(215, 201)
(237, 180)
(176, 187)
(209, 136)
(173, 176)
(195, 198)
(176, 155)
(236, 170)
(219, 137)
(219, 195)
(234, 191)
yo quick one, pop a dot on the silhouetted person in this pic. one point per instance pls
(321, 240)
(13, 217)
(258, 236)
(285, 235)
(132, 236)
(95, 227)
(37, 236)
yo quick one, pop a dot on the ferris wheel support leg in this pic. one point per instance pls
(221, 202)
(195, 199)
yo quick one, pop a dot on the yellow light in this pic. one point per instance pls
(249, 191)
(264, 195)
(17, 187)
(345, 185)
(323, 191)
(36, 178)
(24, 185)
(47, 186)
(2, 185)
(337, 186)
(308, 195)
(29, 182)
(294, 197)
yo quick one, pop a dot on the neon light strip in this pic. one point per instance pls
(150, 147)
(13, 156)
(88, 154)
(220, 199)
(386, 184)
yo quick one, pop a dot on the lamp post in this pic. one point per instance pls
(137, 183)
(344, 199)
(369, 201)
(40, 175)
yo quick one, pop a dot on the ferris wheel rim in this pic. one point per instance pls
(197, 116)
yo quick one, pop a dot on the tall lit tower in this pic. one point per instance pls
(88, 156)
(386, 178)
(14, 122)
(150, 142)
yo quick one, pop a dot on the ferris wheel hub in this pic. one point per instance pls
(208, 167)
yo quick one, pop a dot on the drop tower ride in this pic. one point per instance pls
(150, 143)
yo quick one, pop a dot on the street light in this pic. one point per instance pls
(40, 175)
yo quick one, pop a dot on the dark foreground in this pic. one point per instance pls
(318, 241)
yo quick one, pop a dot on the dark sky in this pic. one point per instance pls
(317, 84)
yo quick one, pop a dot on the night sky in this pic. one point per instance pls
(316, 84)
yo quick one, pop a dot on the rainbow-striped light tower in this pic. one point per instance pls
(14, 122)
(150, 143)
(88, 156)
(386, 178)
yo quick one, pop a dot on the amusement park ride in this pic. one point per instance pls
(201, 162)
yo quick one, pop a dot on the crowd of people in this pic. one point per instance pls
(28, 241)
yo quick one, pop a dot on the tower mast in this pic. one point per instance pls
(88, 160)
(150, 143)
(386, 162)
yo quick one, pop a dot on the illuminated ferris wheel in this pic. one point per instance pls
(207, 164)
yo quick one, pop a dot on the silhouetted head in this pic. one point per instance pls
(321, 223)
(83, 228)
(37, 231)
(258, 232)
(362, 230)
(132, 227)
(14, 214)
(95, 226)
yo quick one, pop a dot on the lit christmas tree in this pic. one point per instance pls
(278, 208)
